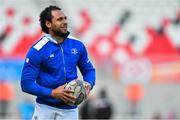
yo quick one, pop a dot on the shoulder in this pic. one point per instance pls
(37, 49)
(75, 40)
(41, 43)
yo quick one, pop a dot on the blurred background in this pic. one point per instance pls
(134, 45)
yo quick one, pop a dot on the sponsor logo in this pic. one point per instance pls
(27, 60)
(51, 56)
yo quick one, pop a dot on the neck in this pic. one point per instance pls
(58, 38)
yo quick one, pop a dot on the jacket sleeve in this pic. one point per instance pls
(86, 68)
(30, 73)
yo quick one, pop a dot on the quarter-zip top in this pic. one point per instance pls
(49, 64)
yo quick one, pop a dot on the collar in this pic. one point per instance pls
(48, 36)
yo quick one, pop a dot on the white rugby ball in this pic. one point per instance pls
(79, 91)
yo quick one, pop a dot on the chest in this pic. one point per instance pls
(61, 57)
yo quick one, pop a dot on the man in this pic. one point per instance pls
(51, 63)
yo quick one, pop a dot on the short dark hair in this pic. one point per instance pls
(46, 15)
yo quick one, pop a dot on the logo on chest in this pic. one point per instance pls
(74, 51)
(51, 56)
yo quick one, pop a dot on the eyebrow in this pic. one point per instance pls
(65, 17)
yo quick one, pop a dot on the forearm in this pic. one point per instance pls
(35, 89)
(90, 77)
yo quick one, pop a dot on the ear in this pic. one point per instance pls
(48, 24)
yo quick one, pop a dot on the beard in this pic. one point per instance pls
(60, 34)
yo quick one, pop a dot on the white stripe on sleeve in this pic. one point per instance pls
(41, 43)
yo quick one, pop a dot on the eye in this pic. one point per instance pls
(62, 18)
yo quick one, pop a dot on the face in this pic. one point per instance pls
(58, 24)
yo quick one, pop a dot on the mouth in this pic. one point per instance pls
(64, 28)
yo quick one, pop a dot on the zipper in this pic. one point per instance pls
(63, 64)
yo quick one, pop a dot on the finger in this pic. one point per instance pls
(64, 85)
(70, 96)
(68, 91)
(64, 100)
(86, 95)
(68, 100)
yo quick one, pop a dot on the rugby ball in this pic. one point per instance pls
(79, 91)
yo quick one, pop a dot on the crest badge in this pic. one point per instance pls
(74, 51)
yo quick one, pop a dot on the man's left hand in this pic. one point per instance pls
(87, 87)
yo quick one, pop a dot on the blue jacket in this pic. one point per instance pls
(49, 64)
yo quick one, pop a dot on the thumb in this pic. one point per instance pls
(64, 85)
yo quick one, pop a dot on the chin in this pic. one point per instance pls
(65, 32)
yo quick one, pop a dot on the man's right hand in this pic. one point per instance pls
(63, 94)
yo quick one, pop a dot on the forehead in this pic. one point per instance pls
(57, 13)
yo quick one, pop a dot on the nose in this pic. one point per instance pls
(64, 20)
(64, 23)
